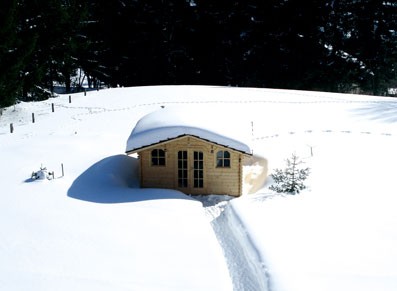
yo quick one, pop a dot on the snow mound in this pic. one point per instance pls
(255, 174)
(170, 123)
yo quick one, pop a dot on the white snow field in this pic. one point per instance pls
(95, 229)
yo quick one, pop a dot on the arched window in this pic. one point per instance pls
(158, 157)
(223, 159)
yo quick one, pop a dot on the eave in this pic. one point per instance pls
(172, 139)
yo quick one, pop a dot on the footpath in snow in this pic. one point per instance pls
(246, 267)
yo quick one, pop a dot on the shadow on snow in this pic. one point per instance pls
(115, 180)
(382, 111)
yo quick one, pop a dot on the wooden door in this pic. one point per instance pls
(190, 171)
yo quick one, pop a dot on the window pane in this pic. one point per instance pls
(226, 163)
(226, 155)
(198, 183)
(158, 157)
(219, 163)
(219, 155)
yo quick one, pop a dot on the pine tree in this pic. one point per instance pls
(12, 53)
(39, 24)
(325, 45)
(361, 37)
(52, 27)
(73, 42)
(291, 179)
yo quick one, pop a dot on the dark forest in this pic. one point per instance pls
(329, 45)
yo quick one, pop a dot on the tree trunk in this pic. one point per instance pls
(67, 83)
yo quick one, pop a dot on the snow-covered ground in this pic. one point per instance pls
(94, 229)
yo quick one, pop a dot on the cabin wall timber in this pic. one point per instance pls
(216, 180)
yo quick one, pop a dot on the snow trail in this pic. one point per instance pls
(246, 267)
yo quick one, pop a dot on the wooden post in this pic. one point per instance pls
(33, 119)
(52, 107)
(85, 92)
(70, 99)
(63, 173)
(11, 128)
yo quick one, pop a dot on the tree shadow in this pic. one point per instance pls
(381, 111)
(115, 180)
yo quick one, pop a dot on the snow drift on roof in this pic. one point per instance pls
(170, 123)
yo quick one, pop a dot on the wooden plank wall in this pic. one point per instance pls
(216, 180)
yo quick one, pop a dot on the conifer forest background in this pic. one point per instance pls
(328, 45)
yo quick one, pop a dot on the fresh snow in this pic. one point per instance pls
(206, 123)
(95, 229)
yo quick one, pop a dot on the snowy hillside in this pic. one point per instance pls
(95, 229)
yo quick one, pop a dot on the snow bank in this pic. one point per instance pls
(339, 234)
(94, 229)
(255, 174)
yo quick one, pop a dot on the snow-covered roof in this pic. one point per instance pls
(170, 123)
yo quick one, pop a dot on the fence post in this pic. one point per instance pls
(11, 128)
(70, 99)
(63, 173)
(33, 119)
(52, 107)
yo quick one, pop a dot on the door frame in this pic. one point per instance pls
(190, 189)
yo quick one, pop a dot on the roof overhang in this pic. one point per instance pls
(172, 139)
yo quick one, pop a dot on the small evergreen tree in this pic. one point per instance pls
(291, 179)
